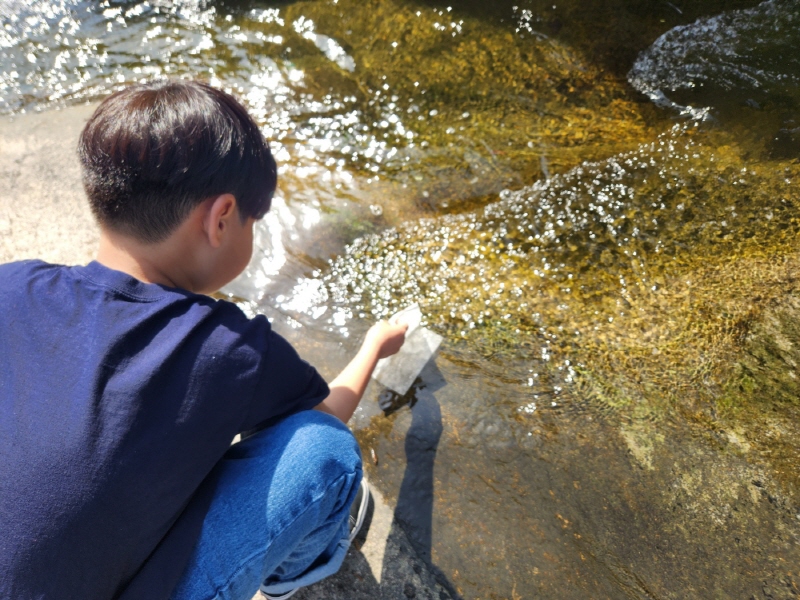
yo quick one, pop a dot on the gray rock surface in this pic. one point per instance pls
(43, 210)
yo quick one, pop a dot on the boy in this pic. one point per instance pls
(122, 385)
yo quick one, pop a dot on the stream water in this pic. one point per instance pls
(596, 203)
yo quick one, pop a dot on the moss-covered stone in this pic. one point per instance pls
(769, 368)
(759, 404)
(629, 285)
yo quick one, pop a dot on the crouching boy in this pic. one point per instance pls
(122, 384)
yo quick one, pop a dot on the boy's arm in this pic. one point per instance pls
(383, 339)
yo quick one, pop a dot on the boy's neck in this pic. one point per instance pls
(159, 263)
(203, 253)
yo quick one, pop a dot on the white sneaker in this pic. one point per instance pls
(358, 511)
(288, 594)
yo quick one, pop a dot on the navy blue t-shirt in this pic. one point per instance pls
(117, 398)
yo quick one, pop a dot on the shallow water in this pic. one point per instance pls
(596, 205)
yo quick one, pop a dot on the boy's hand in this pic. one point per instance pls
(383, 339)
(387, 338)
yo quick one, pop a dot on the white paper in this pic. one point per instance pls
(399, 371)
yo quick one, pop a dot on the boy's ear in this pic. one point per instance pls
(217, 218)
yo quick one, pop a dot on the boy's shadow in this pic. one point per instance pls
(407, 568)
(413, 515)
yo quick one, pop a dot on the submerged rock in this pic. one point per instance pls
(760, 403)
(738, 54)
(467, 103)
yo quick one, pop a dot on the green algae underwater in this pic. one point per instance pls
(596, 203)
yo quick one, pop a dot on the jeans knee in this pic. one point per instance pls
(327, 442)
(321, 447)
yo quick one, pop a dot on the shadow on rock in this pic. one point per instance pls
(407, 569)
(414, 513)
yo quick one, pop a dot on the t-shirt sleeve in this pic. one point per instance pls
(287, 384)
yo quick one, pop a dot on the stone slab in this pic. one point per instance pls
(43, 210)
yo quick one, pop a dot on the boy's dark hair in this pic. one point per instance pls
(152, 152)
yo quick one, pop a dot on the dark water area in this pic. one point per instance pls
(595, 203)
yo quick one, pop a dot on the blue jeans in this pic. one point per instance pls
(279, 517)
